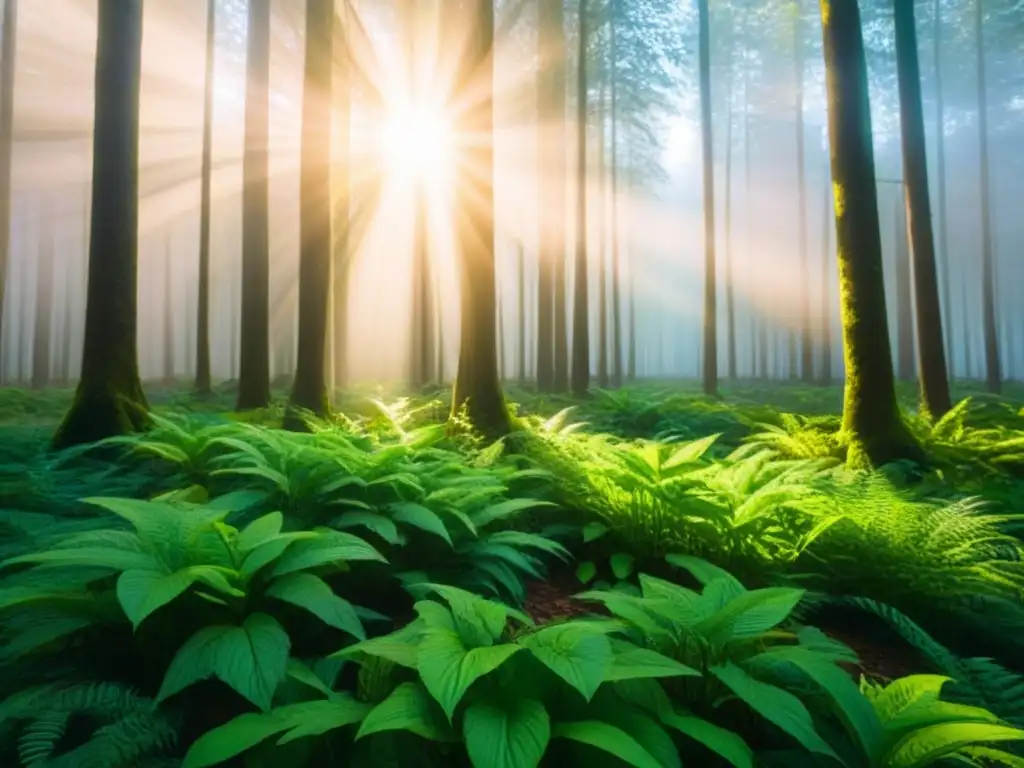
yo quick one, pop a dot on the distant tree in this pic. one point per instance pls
(7, 70)
(169, 313)
(940, 182)
(309, 389)
(42, 334)
(580, 373)
(616, 287)
(204, 380)
(254, 361)
(826, 290)
(341, 85)
(872, 424)
(931, 351)
(477, 385)
(806, 332)
(601, 214)
(709, 347)
(904, 294)
(109, 399)
(521, 317)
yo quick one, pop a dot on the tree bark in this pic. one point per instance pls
(931, 349)
(309, 389)
(204, 380)
(710, 337)
(872, 424)
(826, 290)
(109, 399)
(254, 361)
(477, 387)
(581, 311)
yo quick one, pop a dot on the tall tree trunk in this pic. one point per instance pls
(617, 352)
(43, 332)
(168, 325)
(931, 350)
(603, 373)
(993, 376)
(521, 372)
(710, 337)
(254, 362)
(342, 259)
(204, 381)
(8, 60)
(872, 424)
(826, 290)
(965, 324)
(109, 400)
(904, 297)
(807, 331)
(477, 386)
(309, 389)
(581, 311)
(945, 277)
(730, 291)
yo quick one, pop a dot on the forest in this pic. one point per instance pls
(511, 383)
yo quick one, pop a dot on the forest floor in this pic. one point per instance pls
(915, 569)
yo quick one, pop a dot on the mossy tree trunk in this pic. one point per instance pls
(931, 347)
(477, 387)
(580, 373)
(254, 355)
(109, 400)
(204, 380)
(826, 289)
(42, 334)
(872, 425)
(309, 390)
(709, 346)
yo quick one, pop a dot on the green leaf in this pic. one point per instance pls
(252, 659)
(478, 621)
(504, 510)
(408, 708)
(140, 593)
(95, 557)
(514, 734)
(724, 743)
(314, 595)
(775, 705)
(622, 565)
(594, 531)
(690, 453)
(926, 746)
(400, 647)
(378, 524)
(631, 662)
(705, 572)
(418, 516)
(301, 673)
(586, 571)
(578, 654)
(607, 738)
(448, 668)
(246, 731)
(328, 549)
(259, 531)
(267, 552)
(754, 613)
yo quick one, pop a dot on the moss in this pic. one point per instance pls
(101, 412)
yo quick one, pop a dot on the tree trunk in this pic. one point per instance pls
(581, 311)
(521, 319)
(904, 297)
(204, 381)
(617, 352)
(477, 387)
(931, 356)
(603, 373)
(309, 389)
(826, 291)
(109, 400)
(8, 60)
(710, 337)
(872, 424)
(730, 291)
(342, 259)
(807, 332)
(254, 361)
(993, 376)
(168, 343)
(43, 332)
(940, 167)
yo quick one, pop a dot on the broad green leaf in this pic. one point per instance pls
(418, 516)
(576, 653)
(926, 746)
(252, 659)
(478, 621)
(246, 731)
(726, 744)
(645, 693)
(513, 734)
(378, 524)
(647, 732)
(504, 510)
(400, 647)
(267, 552)
(140, 593)
(775, 705)
(607, 738)
(301, 673)
(328, 549)
(408, 708)
(594, 531)
(631, 662)
(903, 693)
(705, 572)
(314, 595)
(94, 557)
(586, 571)
(260, 530)
(689, 453)
(753, 613)
(448, 668)
(622, 565)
